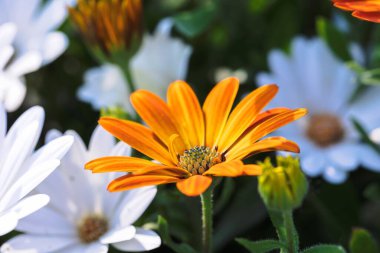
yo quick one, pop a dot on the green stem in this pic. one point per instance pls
(129, 78)
(291, 233)
(206, 200)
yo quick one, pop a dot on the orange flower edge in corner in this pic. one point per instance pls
(368, 10)
(193, 144)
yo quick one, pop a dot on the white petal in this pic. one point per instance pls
(118, 235)
(334, 175)
(121, 149)
(52, 16)
(345, 156)
(26, 63)
(160, 61)
(101, 143)
(52, 134)
(28, 181)
(313, 164)
(365, 108)
(29, 205)
(36, 244)
(13, 158)
(144, 240)
(55, 149)
(47, 221)
(6, 53)
(8, 222)
(14, 94)
(133, 205)
(3, 124)
(54, 44)
(37, 168)
(7, 34)
(105, 86)
(370, 159)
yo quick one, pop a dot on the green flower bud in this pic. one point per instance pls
(283, 187)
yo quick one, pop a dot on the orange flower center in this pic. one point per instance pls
(199, 159)
(92, 227)
(325, 129)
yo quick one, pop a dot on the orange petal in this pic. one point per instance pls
(186, 110)
(194, 185)
(245, 113)
(131, 181)
(265, 127)
(138, 136)
(359, 5)
(269, 114)
(163, 170)
(369, 16)
(232, 168)
(176, 147)
(155, 112)
(252, 170)
(117, 164)
(217, 107)
(266, 145)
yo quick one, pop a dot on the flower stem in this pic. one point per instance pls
(207, 211)
(291, 233)
(129, 77)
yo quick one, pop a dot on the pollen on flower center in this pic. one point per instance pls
(325, 129)
(199, 159)
(92, 227)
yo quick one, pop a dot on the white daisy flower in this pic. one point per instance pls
(22, 168)
(82, 215)
(12, 87)
(312, 77)
(36, 22)
(160, 60)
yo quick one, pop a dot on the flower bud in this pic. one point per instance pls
(283, 187)
(111, 27)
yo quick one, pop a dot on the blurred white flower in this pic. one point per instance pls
(312, 77)
(12, 87)
(82, 215)
(36, 22)
(160, 60)
(22, 169)
(223, 73)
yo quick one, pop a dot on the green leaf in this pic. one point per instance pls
(362, 241)
(364, 136)
(334, 38)
(192, 23)
(163, 228)
(261, 246)
(323, 248)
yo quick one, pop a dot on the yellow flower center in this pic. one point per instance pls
(199, 159)
(92, 227)
(325, 129)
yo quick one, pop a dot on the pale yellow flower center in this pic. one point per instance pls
(91, 228)
(199, 159)
(325, 129)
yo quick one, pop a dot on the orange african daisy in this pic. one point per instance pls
(364, 9)
(193, 144)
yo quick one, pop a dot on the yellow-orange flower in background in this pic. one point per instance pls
(110, 25)
(364, 9)
(192, 143)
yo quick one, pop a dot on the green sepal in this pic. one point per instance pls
(163, 228)
(362, 241)
(324, 248)
(262, 246)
